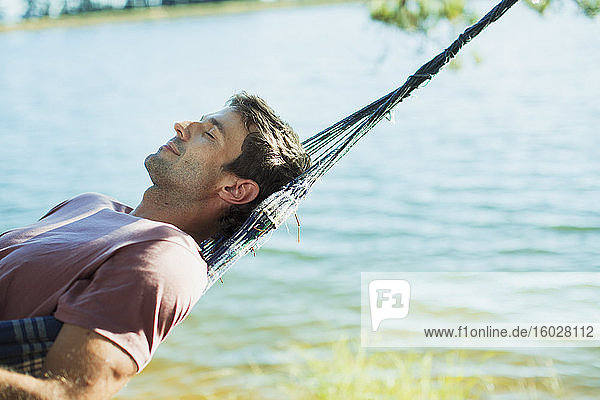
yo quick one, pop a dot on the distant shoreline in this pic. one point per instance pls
(162, 12)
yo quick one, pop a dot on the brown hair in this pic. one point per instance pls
(271, 156)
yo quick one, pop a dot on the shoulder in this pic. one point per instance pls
(166, 264)
(100, 200)
(88, 201)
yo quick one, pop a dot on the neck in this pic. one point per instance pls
(197, 219)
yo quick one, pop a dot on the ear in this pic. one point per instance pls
(241, 191)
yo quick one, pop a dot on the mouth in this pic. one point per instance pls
(170, 146)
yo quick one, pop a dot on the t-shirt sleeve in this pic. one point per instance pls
(137, 296)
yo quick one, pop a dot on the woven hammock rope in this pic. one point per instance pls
(325, 149)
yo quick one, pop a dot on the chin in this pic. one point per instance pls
(150, 159)
(157, 168)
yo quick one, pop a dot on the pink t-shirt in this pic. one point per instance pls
(91, 264)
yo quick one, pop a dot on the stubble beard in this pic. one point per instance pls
(157, 168)
(188, 181)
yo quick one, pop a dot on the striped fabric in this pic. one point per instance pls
(25, 342)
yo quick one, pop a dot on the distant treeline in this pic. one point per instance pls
(44, 8)
(410, 15)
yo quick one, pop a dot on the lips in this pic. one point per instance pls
(171, 146)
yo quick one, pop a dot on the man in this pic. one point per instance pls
(120, 278)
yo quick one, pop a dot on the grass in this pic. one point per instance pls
(351, 373)
(155, 13)
(344, 370)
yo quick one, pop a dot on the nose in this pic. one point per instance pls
(181, 128)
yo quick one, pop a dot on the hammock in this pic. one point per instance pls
(24, 343)
(325, 149)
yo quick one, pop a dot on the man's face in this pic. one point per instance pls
(191, 162)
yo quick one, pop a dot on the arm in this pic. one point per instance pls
(80, 365)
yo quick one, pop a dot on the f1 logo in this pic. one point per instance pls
(388, 299)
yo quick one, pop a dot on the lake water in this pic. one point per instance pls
(492, 166)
